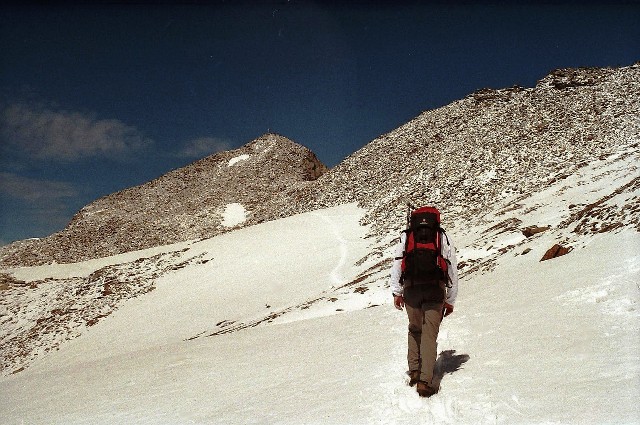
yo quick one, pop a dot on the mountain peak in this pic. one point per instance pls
(270, 140)
(255, 182)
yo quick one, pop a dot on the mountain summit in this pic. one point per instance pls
(213, 195)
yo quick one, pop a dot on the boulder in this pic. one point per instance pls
(533, 230)
(555, 251)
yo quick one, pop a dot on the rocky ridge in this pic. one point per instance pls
(185, 204)
(489, 146)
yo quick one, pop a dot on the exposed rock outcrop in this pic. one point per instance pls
(555, 251)
(534, 230)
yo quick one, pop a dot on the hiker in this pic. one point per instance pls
(424, 280)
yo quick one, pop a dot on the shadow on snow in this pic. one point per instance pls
(448, 362)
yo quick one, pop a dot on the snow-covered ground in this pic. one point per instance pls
(233, 214)
(271, 327)
(237, 159)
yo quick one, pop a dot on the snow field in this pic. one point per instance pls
(562, 358)
(530, 342)
(249, 274)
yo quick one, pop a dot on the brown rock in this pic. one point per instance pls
(533, 230)
(555, 251)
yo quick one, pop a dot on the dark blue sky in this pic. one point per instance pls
(97, 98)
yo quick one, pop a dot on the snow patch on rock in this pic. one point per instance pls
(237, 159)
(233, 214)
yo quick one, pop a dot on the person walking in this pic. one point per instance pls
(424, 281)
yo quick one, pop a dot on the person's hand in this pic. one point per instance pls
(447, 309)
(398, 301)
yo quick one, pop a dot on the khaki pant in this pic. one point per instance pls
(425, 315)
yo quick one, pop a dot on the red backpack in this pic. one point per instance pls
(422, 261)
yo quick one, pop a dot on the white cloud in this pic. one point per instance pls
(42, 133)
(202, 147)
(34, 190)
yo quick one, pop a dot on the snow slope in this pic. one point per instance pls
(283, 323)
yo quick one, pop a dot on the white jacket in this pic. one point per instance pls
(448, 252)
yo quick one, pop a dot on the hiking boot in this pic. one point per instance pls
(414, 377)
(424, 390)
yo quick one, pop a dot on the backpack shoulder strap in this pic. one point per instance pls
(441, 230)
(406, 241)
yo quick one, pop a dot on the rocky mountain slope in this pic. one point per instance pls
(489, 146)
(194, 202)
(497, 149)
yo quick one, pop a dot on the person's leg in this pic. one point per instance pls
(431, 318)
(413, 305)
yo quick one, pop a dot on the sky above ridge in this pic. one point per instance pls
(95, 98)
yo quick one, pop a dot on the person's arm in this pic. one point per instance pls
(396, 271)
(449, 253)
